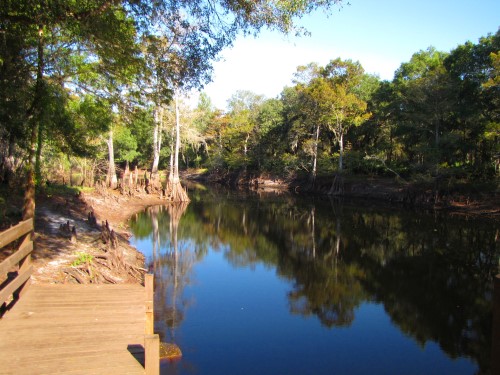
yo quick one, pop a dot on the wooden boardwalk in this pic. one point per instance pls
(74, 329)
(71, 329)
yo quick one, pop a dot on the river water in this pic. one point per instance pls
(280, 284)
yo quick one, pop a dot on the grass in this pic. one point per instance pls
(63, 190)
(82, 258)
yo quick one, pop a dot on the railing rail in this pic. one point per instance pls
(16, 269)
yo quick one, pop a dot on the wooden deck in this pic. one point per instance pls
(74, 329)
(71, 329)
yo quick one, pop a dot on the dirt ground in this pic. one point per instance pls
(56, 252)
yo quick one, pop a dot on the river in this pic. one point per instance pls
(251, 283)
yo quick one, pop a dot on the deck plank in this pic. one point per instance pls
(74, 329)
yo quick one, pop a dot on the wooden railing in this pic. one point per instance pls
(151, 340)
(15, 271)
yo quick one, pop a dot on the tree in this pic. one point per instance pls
(36, 26)
(174, 190)
(330, 100)
(203, 117)
(427, 95)
(346, 108)
(106, 32)
(269, 134)
(243, 109)
(473, 68)
(304, 115)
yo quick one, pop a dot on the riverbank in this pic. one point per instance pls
(454, 197)
(88, 256)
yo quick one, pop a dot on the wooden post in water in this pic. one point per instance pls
(495, 339)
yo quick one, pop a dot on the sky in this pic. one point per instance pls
(380, 34)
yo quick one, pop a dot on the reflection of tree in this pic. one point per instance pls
(328, 290)
(173, 272)
(437, 294)
(433, 275)
(172, 261)
(324, 285)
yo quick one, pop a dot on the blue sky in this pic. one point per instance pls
(379, 34)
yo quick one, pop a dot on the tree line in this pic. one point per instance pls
(438, 118)
(88, 85)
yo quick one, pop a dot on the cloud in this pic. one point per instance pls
(266, 66)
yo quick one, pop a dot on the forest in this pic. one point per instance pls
(92, 89)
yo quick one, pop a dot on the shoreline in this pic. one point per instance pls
(384, 191)
(55, 253)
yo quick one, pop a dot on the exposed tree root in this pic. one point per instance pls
(107, 264)
(174, 192)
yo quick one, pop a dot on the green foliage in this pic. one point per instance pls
(125, 143)
(68, 68)
(71, 71)
(62, 190)
(82, 258)
(437, 118)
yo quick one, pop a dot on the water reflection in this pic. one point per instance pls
(433, 274)
(170, 261)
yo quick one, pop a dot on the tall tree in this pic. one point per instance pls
(243, 110)
(107, 31)
(476, 116)
(331, 100)
(427, 95)
(40, 27)
(347, 107)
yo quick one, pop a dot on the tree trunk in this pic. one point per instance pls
(156, 141)
(177, 140)
(112, 180)
(315, 157)
(341, 152)
(245, 151)
(174, 191)
(337, 187)
(29, 194)
(172, 151)
(38, 157)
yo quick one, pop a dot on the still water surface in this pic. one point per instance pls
(275, 284)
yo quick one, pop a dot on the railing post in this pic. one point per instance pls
(151, 341)
(152, 354)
